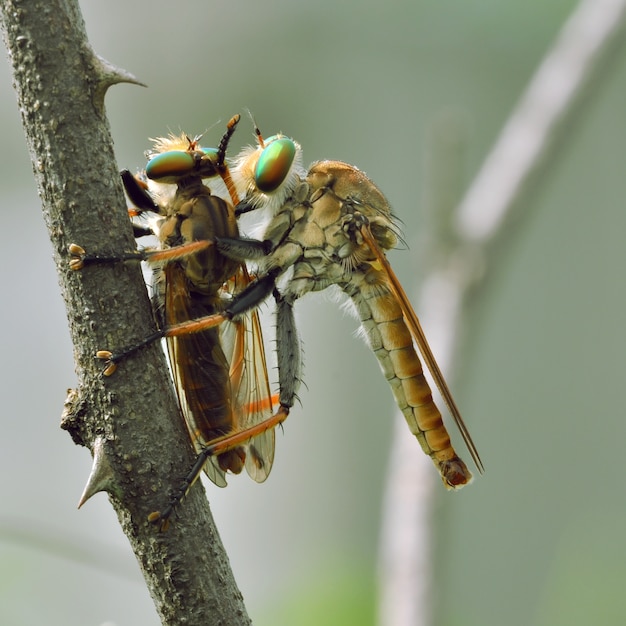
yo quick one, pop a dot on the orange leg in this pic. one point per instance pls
(214, 448)
(79, 258)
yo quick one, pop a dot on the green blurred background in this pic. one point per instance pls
(539, 540)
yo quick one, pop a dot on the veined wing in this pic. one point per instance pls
(221, 379)
(242, 341)
(200, 372)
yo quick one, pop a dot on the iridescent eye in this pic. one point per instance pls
(211, 152)
(174, 163)
(274, 164)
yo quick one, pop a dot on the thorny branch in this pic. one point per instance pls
(533, 132)
(126, 421)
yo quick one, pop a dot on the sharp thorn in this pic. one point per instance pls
(101, 476)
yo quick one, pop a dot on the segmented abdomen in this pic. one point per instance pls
(392, 343)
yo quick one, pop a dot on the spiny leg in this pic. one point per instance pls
(80, 258)
(288, 352)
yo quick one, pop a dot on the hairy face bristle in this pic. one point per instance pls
(165, 144)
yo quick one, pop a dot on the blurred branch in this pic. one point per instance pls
(127, 421)
(467, 241)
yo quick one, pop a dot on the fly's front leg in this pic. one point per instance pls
(80, 258)
(137, 192)
(288, 351)
(142, 200)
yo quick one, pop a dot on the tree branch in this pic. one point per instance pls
(127, 421)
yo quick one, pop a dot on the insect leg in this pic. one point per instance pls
(243, 248)
(244, 207)
(243, 302)
(137, 193)
(216, 447)
(141, 231)
(288, 351)
(80, 258)
(111, 359)
(248, 299)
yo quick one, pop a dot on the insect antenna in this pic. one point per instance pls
(257, 132)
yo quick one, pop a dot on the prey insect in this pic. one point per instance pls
(332, 226)
(220, 374)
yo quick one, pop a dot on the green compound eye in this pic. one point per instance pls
(170, 164)
(213, 153)
(274, 164)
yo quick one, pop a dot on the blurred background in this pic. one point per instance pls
(539, 540)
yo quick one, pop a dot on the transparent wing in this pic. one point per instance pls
(242, 341)
(195, 366)
(211, 468)
(221, 380)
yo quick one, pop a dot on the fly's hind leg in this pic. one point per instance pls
(288, 349)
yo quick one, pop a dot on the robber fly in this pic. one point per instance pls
(220, 374)
(331, 226)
